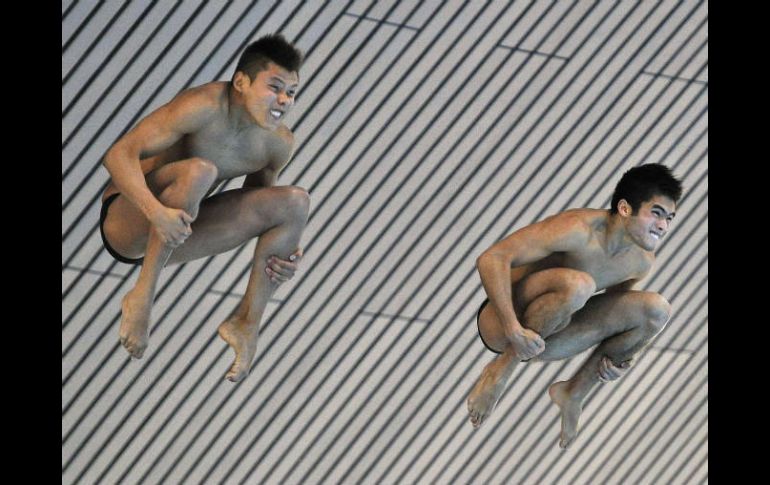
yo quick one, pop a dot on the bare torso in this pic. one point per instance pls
(606, 269)
(235, 152)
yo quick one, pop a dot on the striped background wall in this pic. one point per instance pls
(426, 131)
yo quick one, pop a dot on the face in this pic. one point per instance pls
(270, 96)
(651, 222)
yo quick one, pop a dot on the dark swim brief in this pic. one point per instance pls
(478, 316)
(102, 216)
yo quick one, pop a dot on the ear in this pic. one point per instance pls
(624, 208)
(241, 81)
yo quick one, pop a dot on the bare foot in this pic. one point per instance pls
(135, 324)
(570, 411)
(242, 337)
(489, 388)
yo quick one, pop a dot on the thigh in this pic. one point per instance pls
(231, 218)
(125, 226)
(526, 289)
(552, 280)
(602, 317)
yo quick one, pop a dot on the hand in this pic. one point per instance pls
(527, 344)
(608, 371)
(172, 225)
(280, 270)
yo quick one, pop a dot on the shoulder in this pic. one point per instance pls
(577, 225)
(199, 104)
(284, 138)
(209, 94)
(281, 145)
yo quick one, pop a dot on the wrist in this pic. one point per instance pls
(152, 209)
(514, 331)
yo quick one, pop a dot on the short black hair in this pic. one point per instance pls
(269, 48)
(644, 182)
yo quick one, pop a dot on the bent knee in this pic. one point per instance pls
(295, 202)
(580, 287)
(657, 311)
(201, 173)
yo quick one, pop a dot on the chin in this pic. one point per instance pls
(272, 123)
(648, 244)
(267, 124)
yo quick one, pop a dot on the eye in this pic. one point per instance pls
(291, 94)
(274, 88)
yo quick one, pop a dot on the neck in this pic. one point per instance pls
(237, 116)
(616, 238)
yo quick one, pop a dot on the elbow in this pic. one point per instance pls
(481, 261)
(109, 158)
(487, 259)
(118, 152)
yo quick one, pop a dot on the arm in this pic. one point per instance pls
(155, 133)
(280, 151)
(559, 233)
(608, 370)
(279, 270)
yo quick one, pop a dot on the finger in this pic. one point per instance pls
(297, 255)
(275, 277)
(608, 374)
(281, 266)
(278, 270)
(603, 375)
(286, 275)
(185, 217)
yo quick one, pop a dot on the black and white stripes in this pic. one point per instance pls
(425, 132)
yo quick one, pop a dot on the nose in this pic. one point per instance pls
(284, 99)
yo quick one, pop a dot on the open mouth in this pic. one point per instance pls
(655, 235)
(276, 114)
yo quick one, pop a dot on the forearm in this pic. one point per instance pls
(495, 273)
(127, 176)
